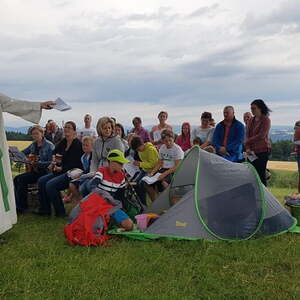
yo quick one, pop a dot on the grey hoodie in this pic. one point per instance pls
(101, 148)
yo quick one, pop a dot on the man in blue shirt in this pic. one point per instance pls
(229, 136)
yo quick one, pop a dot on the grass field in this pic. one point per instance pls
(20, 144)
(283, 165)
(37, 263)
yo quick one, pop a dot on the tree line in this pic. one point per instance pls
(17, 136)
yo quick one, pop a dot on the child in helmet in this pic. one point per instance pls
(108, 181)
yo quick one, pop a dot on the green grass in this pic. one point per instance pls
(37, 263)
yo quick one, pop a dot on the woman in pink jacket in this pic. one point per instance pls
(184, 140)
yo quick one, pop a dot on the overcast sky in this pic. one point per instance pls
(137, 57)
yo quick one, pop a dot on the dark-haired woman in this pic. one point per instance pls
(119, 131)
(40, 152)
(257, 137)
(70, 151)
(205, 131)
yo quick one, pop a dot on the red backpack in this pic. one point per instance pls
(89, 222)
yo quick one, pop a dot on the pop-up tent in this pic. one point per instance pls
(216, 200)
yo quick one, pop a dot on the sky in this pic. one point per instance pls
(138, 57)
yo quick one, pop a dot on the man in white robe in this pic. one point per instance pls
(30, 111)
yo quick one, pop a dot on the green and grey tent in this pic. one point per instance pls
(216, 200)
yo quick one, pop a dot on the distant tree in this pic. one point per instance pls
(17, 136)
(281, 150)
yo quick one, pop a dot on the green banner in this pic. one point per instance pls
(3, 184)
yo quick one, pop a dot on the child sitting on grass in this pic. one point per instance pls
(170, 156)
(73, 192)
(109, 181)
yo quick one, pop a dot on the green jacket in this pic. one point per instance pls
(149, 158)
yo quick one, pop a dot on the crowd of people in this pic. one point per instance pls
(100, 153)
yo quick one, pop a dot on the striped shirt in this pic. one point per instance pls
(107, 181)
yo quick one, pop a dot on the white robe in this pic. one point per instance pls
(30, 111)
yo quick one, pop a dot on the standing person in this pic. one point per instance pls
(87, 130)
(247, 116)
(156, 131)
(30, 111)
(204, 131)
(228, 136)
(41, 150)
(50, 185)
(297, 149)
(139, 130)
(257, 138)
(119, 131)
(54, 134)
(184, 140)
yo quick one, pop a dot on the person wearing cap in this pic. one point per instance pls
(297, 148)
(111, 179)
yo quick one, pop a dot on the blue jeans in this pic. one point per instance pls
(49, 190)
(85, 188)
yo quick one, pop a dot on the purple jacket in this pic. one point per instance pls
(142, 133)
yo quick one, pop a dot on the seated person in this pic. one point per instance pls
(111, 179)
(148, 155)
(197, 141)
(40, 154)
(228, 136)
(73, 192)
(50, 185)
(170, 156)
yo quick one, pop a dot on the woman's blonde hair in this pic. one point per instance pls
(89, 139)
(102, 122)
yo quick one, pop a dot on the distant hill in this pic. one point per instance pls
(278, 133)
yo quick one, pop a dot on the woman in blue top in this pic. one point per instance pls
(41, 149)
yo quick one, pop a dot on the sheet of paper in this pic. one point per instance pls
(251, 157)
(74, 173)
(131, 169)
(152, 179)
(61, 105)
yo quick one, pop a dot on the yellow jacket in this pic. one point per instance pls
(149, 157)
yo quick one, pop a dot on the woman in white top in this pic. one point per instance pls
(156, 131)
(204, 131)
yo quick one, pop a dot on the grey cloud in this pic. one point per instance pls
(204, 10)
(285, 19)
(116, 62)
